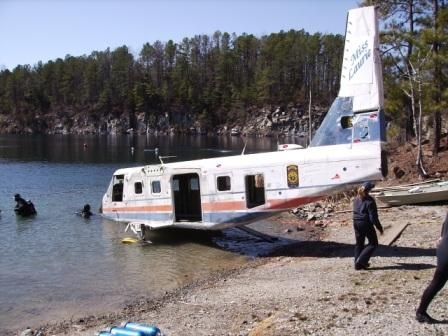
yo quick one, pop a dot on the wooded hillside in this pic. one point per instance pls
(213, 79)
(222, 78)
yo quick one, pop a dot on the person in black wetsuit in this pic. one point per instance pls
(19, 200)
(365, 219)
(439, 279)
(23, 208)
(86, 213)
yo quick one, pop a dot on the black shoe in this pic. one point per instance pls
(361, 266)
(424, 318)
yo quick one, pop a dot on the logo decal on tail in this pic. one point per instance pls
(359, 58)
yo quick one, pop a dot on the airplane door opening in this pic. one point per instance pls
(254, 190)
(117, 189)
(187, 198)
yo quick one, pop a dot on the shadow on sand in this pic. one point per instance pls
(245, 244)
(330, 249)
(404, 266)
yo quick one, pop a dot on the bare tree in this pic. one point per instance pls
(415, 79)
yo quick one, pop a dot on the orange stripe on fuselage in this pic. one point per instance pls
(280, 204)
(142, 208)
(274, 204)
(224, 206)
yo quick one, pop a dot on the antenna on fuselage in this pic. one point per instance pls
(244, 148)
(165, 157)
(310, 127)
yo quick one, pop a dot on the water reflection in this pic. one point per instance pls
(109, 149)
(58, 263)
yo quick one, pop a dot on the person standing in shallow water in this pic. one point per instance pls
(439, 279)
(86, 213)
(365, 219)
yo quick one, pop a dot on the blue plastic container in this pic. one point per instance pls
(119, 331)
(146, 329)
(103, 333)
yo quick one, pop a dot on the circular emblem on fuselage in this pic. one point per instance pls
(292, 172)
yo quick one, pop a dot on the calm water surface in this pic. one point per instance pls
(58, 265)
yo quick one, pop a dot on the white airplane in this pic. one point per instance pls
(223, 192)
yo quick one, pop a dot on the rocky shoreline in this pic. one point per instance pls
(266, 121)
(306, 288)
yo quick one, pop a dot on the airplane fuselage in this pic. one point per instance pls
(236, 190)
(229, 191)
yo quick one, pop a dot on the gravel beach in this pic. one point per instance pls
(308, 288)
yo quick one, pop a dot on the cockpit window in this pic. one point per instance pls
(337, 125)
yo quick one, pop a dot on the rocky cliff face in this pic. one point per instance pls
(274, 121)
(266, 121)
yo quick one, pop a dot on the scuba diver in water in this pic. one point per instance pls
(85, 212)
(24, 208)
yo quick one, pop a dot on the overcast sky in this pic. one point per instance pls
(42, 30)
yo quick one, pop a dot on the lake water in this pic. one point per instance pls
(58, 265)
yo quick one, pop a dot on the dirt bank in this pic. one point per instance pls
(310, 288)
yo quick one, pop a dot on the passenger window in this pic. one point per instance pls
(138, 187)
(194, 184)
(176, 185)
(155, 187)
(346, 122)
(223, 183)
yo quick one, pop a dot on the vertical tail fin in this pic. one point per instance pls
(361, 76)
(356, 115)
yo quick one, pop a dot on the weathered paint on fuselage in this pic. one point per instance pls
(321, 171)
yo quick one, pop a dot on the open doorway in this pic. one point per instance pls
(187, 198)
(117, 188)
(254, 190)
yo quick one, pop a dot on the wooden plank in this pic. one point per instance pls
(392, 232)
(403, 186)
(379, 208)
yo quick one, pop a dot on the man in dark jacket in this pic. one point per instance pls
(365, 219)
